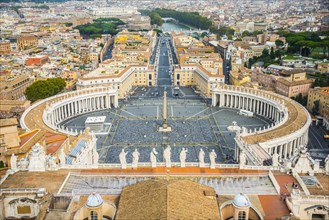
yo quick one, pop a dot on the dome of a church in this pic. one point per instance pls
(94, 200)
(241, 200)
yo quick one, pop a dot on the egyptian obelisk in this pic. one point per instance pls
(165, 127)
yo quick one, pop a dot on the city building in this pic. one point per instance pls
(5, 47)
(283, 80)
(26, 42)
(320, 94)
(199, 66)
(14, 88)
(36, 60)
(323, 67)
(128, 67)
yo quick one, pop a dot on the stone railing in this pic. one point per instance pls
(275, 183)
(39, 191)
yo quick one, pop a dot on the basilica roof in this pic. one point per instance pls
(163, 199)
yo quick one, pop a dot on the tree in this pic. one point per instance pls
(156, 19)
(272, 55)
(305, 51)
(279, 43)
(44, 89)
(316, 107)
(68, 24)
(245, 34)
(265, 53)
(279, 53)
(300, 99)
(158, 31)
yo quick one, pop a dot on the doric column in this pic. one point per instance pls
(75, 107)
(214, 99)
(281, 151)
(60, 113)
(116, 101)
(291, 144)
(221, 99)
(66, 109)
(285, 151)
(101, 102)
(236, 101)
(79, 106)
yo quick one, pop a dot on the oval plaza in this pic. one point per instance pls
(282, 129)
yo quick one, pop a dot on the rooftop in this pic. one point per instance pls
(163, 199)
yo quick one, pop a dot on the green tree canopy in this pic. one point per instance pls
(245, 34)
(156, 18)
(316, 107)
(279, 43)
(99, 27)
(272, 55)
(44, 88)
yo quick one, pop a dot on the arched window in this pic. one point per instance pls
(242, 215)
(93, 215)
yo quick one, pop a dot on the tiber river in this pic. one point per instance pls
(169, 26)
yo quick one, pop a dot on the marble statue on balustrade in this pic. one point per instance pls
(62, 156)
(275, 160)
(153, 157)
(212, 157)
(182, 157)
(122, 157)
(242, 159)
(51, 163)
(201, 158)
(304, 163)
(13, 162)
(167, 156)
(37, 158)
(23, 163)
(326, 165)
(136, 155)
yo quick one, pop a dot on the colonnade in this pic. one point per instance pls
(289, 148)
(260, 106)
(79, 105)
(272, 107)
(67, 105)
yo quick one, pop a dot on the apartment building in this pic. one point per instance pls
(5, 47)
(26, 41)
(14, 88)
(321, 94)
(289, 83)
